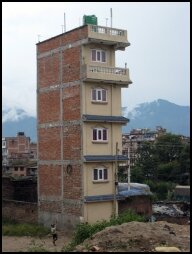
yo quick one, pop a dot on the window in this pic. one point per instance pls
(98, 55)
(100, 174)
(16, 168)
(99, 134)
(99, 95)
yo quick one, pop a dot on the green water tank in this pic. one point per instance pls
(89, 19)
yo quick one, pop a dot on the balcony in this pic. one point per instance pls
(106, 75)
(108, 36)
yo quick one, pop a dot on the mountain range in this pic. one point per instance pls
(174, 118)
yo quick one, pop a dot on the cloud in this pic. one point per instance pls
(13, 115)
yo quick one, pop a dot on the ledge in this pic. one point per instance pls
(104, 158)
(105, 119)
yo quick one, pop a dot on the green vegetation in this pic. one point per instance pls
(12, 228)
(162, 165)
(84, 231)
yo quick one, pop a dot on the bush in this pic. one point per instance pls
(84, 230)
(24, 229)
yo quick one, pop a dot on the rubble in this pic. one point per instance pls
(167, 249)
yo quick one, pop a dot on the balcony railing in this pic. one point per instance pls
(108, 74)
(111, 36)
(116, 71)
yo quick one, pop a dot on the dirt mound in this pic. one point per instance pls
(138, 237)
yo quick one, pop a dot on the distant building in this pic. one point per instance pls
(131, 141)
(23, 170)
(17, 152)
(182, 193)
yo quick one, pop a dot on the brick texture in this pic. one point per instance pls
(71, 103)
(72, 142)
(70, 37)
(72, 187)
(49, 143)
(20, 211)
(49, 107)
(48, 70)
(140, 204)
(60, 68)
(50, 180)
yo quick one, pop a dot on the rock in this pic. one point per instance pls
(95, 248)
(167, 249)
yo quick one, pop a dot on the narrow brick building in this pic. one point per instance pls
(79, 124)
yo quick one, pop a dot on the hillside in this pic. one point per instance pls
(17, 120)
(174, 118)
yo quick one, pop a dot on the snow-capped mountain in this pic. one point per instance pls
(173, 117)
(17, 120)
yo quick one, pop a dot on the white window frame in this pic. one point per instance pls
(100, 133)
(98, 55)
(100, 175)
(97, 91)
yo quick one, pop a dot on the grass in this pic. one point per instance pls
(11, 228)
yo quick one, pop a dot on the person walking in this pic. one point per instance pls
(54, 233)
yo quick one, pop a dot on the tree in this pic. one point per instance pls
(166, 161)
(146, 162)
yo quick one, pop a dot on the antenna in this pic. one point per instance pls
(111, 16)
(106, 21)
(62, 27)
(64, 23)
(38, 37)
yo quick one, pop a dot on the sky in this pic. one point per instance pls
(158, 57)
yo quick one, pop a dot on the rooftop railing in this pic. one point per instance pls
(108, 30)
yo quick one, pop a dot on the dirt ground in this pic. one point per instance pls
(128, 237)
(24, 243)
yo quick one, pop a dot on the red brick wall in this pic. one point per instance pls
(20, 211)
(19, 144)
(72, 142)
(50, 180)
(72, 186)
(49, 107)
(48, 70)
(71, 64)
(49, 144)
(50, 73)
(139, 204)
(64, 39)
(71, 103)
(53, 206)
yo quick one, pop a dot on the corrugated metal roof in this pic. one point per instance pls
(107, 158)
(99, 118)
